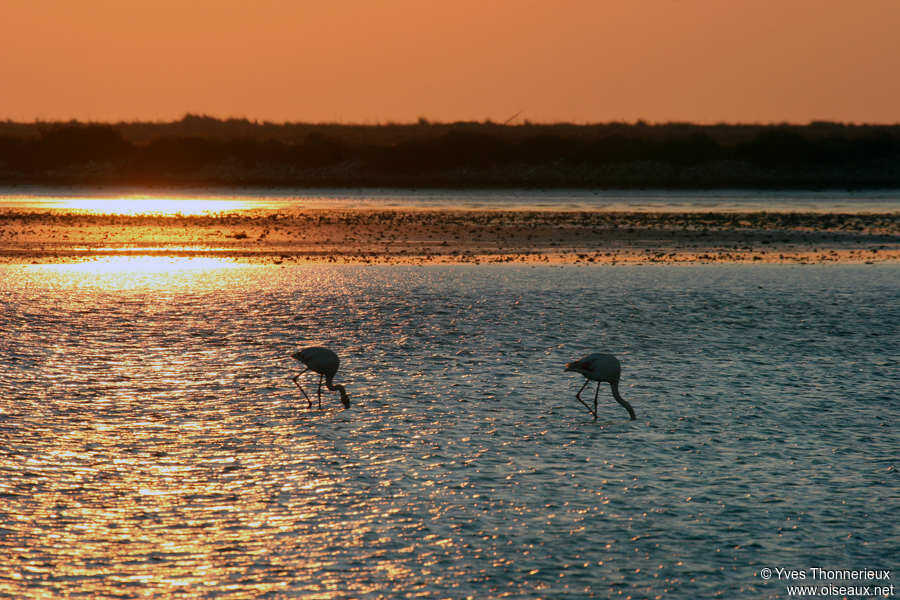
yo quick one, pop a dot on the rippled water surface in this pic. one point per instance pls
(153, 443)
(226, 200)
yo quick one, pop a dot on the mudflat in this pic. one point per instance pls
(423, 236)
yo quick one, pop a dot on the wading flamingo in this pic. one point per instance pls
(324, 362)
(600, 367)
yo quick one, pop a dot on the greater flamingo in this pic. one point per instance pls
(324, 362)
(600, 367)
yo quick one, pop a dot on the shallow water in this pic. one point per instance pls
(193, 201)
(152, 441)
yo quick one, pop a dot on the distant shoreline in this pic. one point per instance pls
(201, 151)
(635, 178)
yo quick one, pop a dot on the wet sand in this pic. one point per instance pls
(405, 236)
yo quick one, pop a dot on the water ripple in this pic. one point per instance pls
(153, 444)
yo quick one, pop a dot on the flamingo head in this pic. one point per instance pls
(578, 366)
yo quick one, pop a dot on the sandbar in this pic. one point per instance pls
(450, 236)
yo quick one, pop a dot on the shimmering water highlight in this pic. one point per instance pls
(203, 201)
(153, 443)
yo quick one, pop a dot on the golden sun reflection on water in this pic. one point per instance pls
(131, 271)
(139, 264)
(144, 205)
(163, 516)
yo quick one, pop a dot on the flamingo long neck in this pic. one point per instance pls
(345, 399)
(620, 399)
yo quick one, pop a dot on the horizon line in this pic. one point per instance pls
(514, 121)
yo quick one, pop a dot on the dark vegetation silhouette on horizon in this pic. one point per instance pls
(200, 150)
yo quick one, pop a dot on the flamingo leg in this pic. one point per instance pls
(586, 405)
(320, 390)
(295, 378)
(578, 395)
(597, 393)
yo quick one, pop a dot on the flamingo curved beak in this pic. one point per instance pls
(578, 366)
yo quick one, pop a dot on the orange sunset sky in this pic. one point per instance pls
(369, 61)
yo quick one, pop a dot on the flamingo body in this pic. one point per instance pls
(324, 362)
(600, 368)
